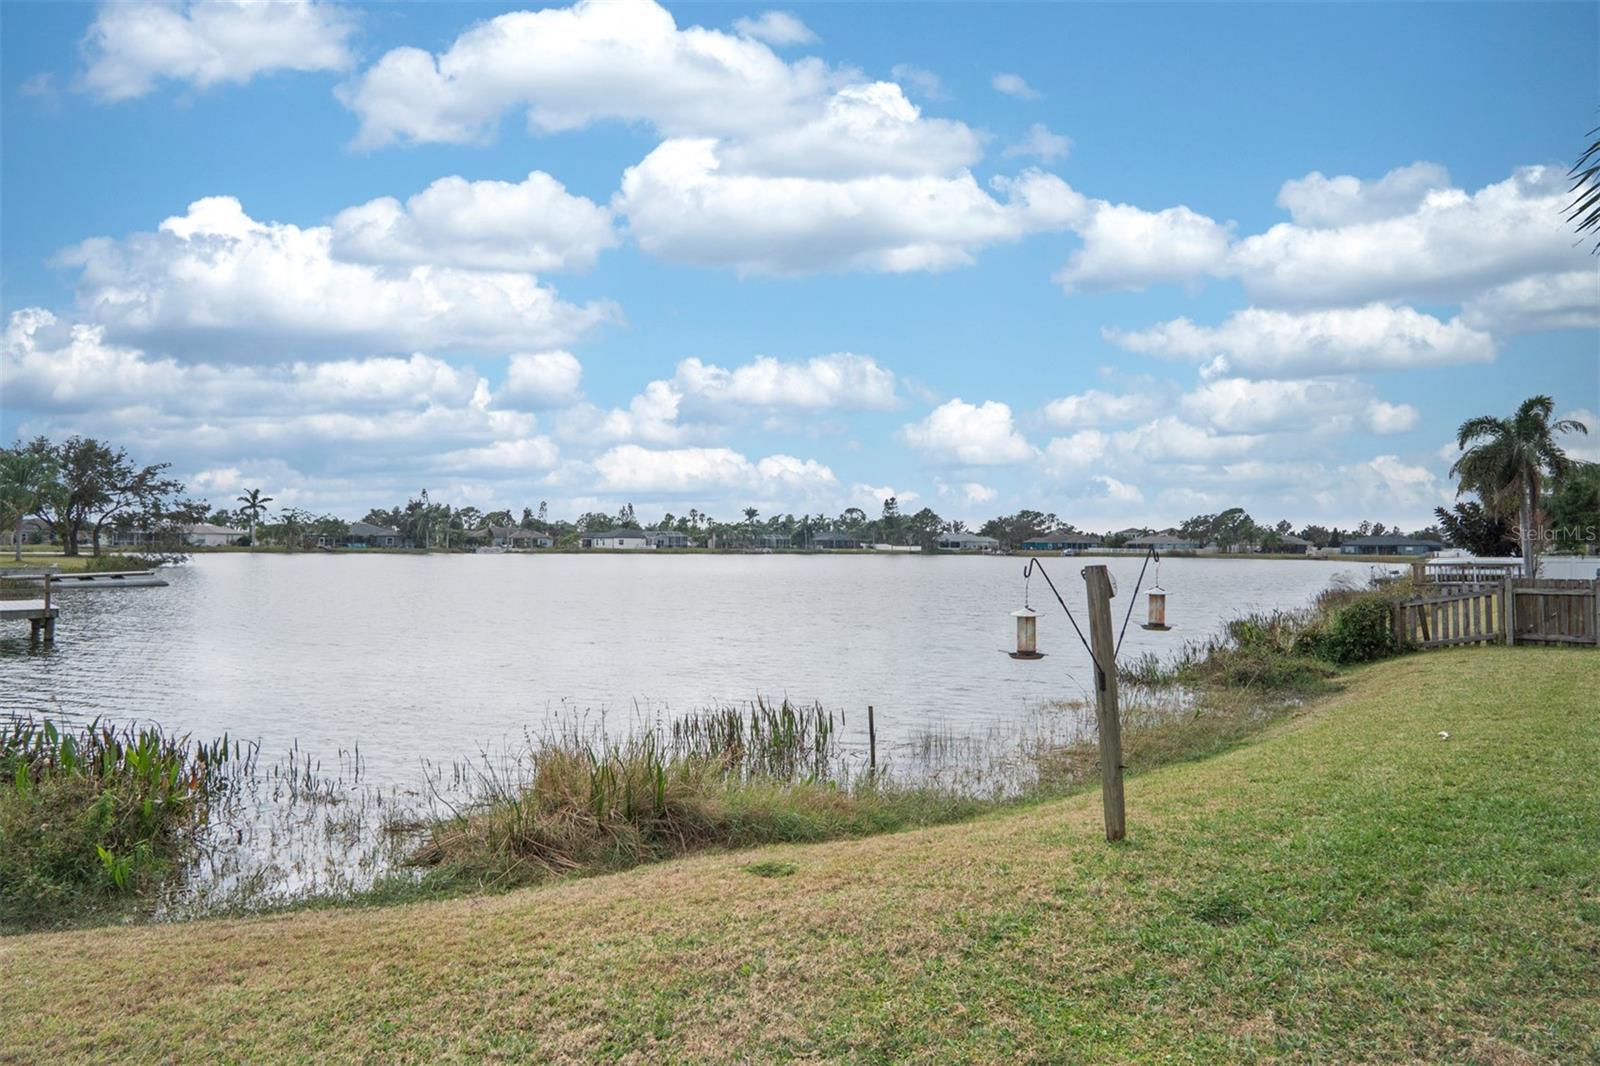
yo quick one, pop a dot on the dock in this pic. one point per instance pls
(40, 614)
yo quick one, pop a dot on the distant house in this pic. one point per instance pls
(195, 534)
(669, 538)
(832, 541)
(367, 535)
(1061, 540)
(1289, 544)
(967, 542)
(630, 539)
(210, 535)
(773, 540)
(1163, 542)
(518, 538)
(1389, 544)
(34, 531)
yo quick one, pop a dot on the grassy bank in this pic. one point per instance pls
(1351, 887)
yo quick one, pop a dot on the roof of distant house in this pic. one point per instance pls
(1065, 535)
(616, 534)
(1392, 538)
(210, 527)
(367, 529)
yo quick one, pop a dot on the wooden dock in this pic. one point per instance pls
(39, 614)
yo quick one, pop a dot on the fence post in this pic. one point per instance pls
(872, 740)
(1101, 643)
(1508, 609)
(1419, 571)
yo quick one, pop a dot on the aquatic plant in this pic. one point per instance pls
(98, 811)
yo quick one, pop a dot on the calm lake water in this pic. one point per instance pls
(441, 657)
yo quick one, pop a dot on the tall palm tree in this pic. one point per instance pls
(1509, 458)
(255, 505)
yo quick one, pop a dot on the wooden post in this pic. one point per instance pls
(47, 590)
(872, 740)
(1102, 645)
(1508, 608)
(1419, 571)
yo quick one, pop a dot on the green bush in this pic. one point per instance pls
(1358, 632)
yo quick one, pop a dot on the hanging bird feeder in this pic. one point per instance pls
(1027, 624)
(1027, 634)
(1155, 613)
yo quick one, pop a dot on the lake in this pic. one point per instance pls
(440, 657)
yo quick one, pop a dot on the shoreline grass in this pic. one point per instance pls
(1349, 887)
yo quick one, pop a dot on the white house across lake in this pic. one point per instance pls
(617, 538)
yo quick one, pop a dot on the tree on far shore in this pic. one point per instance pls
(28, 476)
(255, 505)
(100, 485)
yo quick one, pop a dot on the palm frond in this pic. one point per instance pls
(1482, 426)
(1585, 174)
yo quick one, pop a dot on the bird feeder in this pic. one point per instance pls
(1155, 612)
(1027, 634)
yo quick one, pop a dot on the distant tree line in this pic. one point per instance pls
(1518, 478)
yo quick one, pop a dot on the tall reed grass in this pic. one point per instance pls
(722, 778)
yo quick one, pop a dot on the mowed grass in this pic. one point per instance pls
(1351, 887)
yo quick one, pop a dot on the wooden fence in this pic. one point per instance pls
(1513, 610)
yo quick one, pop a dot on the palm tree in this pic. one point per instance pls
(1508, 460)
(255, 505)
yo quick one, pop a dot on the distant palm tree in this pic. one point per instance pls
(1508, 460)
(255, 505)
(1585, 175)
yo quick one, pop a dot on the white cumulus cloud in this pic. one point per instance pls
(1337, 405)
(963, 434)
(215, 279)
(631, 468)
(131, 47)
(541, 379)
(1566, 300)
(1014, 85)
(570, 67)
(534, 225)
(1126, 247)
(1040, 143)
(1097, 408)
(1451, 246)
(1259, 342)
(775, 27)
(682, 206)
(1320, 201)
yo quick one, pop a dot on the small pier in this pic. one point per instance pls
(40, 614)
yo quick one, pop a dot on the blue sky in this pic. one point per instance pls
(1127, 263)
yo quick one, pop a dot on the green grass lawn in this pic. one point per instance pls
(1351, 887)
